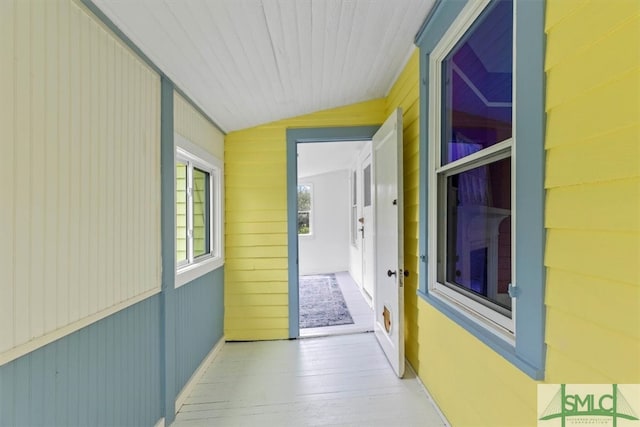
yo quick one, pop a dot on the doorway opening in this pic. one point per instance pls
(303, 228)
(335, 258)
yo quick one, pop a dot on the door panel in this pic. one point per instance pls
(388, 237)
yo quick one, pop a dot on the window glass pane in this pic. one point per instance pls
(181, 212)
(477, 85)
(303, 223)
(367, 186)
(478, 232)
(304, 209)
(304, 197)
(201, 214)
(354, 190)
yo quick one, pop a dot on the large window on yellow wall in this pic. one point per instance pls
(472, 146)
(198, 211)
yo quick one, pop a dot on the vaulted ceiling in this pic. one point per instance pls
(248, 62)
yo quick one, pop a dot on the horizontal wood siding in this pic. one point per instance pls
(256, 293)
(199, 317)
(106, 374)
(593, 192)
(405, 93)
(80, 187)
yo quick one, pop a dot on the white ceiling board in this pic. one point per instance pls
(248, 62)
(322, 157)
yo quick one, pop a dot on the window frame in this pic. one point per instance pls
(495, 322)
(196, 157)
(310, 211)
(527, 349)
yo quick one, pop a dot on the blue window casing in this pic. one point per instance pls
(528, 352)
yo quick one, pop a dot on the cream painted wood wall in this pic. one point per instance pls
(194, 127)
(80, 175)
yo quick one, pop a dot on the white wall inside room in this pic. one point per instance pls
(326, 249)
(327, 167)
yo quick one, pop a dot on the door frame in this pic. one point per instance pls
(294, 137)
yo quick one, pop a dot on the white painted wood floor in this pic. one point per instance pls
(342, 380)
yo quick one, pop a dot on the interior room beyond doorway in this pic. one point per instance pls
(330, 230)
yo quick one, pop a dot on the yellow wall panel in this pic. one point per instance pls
(568, 37)
(593, 198)
(586, 159)
(600, 348)
(502, 395)
(584, 116)
(595, 63)
(80, 116)
(608, 255)
(256, 218)
(599, 206)
(623, 300)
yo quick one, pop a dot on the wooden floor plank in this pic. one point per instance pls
(329, 381)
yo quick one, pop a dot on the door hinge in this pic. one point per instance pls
(395, 202)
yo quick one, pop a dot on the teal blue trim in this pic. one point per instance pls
(105, 374)
(530, 167)
(529, 351)
(199, 308)
(294, 137)
(127, 41)
(167, 231)
(437, 22)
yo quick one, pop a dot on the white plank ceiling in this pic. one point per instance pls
(248, 62)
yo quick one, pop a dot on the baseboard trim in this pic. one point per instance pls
(197, 375)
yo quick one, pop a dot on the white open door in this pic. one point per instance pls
(388, 234)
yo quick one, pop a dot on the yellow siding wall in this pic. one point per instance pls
(405, 93)
(256, 292)
(80, 175)
(593, 191)
(592, 217)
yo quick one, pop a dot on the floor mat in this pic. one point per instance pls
(322, 302)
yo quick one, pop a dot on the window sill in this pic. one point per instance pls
(191, 272)
(497, 344)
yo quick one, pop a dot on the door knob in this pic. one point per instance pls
(391, 273)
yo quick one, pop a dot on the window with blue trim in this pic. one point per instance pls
(478, 131)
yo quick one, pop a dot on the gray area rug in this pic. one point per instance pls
(322, 302)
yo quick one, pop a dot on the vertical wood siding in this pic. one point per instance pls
(106, 374)
(593, 192)
(195, 127)
(80, 180)
(256, 294)
(405, 93)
